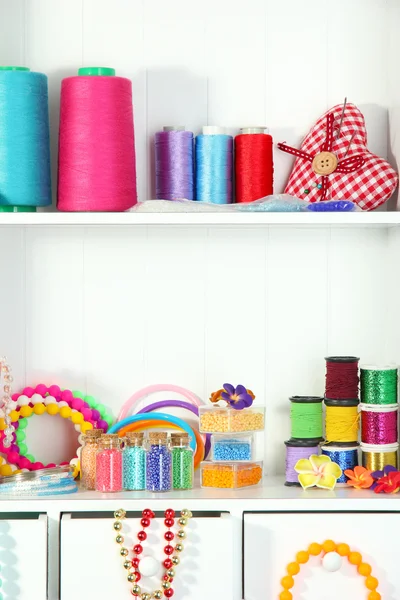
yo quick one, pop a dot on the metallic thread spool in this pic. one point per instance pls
(375, 458)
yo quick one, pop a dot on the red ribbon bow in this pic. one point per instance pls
(346, 165)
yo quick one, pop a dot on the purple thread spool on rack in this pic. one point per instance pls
(296, 450)
(174, 164)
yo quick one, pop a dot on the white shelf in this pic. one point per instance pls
(358, 219)
(273, 496)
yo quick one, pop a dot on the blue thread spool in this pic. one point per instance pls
(344, 454)
(214, 166)
(25, 181)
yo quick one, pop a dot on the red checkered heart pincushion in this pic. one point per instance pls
(340, 168)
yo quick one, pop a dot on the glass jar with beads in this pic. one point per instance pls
(109, 464)
(182, 462)
(134, 462)
(158, 463)
(88, 458)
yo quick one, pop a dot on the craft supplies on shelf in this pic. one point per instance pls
(7, 404)
(342, 420)
(134, 462)
(375, 458)
(174, 163)
(214, 166)
(343, 454)
(230, 475)
(25, 181)
(379, 423)
(306, 417)
(226, 447)
(341, 378)
(109, 464)
(96, 162)
(378, 384)
(158, 463)
(225, 419)
(88, 458)
(41, 483)
(297, 450)
(182, 462)
(254, 165)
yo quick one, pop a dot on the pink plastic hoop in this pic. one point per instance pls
(153, 389)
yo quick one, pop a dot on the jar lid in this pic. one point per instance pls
(179, 438)
(94, 433)
(133, 435)
(158, 437)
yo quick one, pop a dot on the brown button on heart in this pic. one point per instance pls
(324, 163)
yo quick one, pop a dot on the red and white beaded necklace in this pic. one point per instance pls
(172, 552)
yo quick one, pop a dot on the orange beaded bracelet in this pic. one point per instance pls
(342, 550)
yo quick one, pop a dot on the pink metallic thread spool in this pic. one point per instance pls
(379, 424)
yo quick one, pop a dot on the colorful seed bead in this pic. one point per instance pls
(182, 468)
(134, 468)
(227, 420)
(220, 476)
(232, 450)
(88, 466)
(158, 469)
(109, 470)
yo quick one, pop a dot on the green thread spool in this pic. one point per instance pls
(379, 384)
(306, 417)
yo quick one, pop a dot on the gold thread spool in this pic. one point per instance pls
(342, 423)
(376, 458)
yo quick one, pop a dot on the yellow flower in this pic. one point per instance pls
(318, 471)
(75, 467)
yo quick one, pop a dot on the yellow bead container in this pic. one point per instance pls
(230, 475)
(214, 419)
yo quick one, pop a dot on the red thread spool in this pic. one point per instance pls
(254, 165)
(341, 378)
(96, 161)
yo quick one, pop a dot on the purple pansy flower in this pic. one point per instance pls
(237, 397)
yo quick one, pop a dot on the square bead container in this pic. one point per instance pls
(232, 475)
(227, 447)
(214, 419)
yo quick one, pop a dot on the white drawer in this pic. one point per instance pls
(23, 556)
(88, 546)
(272, 540)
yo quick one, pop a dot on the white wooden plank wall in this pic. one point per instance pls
(260, 62)
(110, 310)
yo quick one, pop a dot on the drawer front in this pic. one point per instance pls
(88, 546)
(23, 557)
(272, 540)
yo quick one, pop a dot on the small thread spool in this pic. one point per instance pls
(214, 166)
(341, 378)
(342, 421)
(379, 424)
(306, 418)
(343, 454)
(297, 450)
(376, 458)
(254, 164)
(174, 164)
(96, 162)
(379, 384)
(25, 180)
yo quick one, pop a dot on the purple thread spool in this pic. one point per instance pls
(158, 463)
(174, 164)
(379, 424)
(296, 450)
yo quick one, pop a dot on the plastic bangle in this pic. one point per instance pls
(199, 454)
(13, 454)
(343, 550)
(179, 404)
(158, 417)
(153, 389)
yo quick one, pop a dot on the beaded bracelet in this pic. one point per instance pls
(332, 561)
(70, 405)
